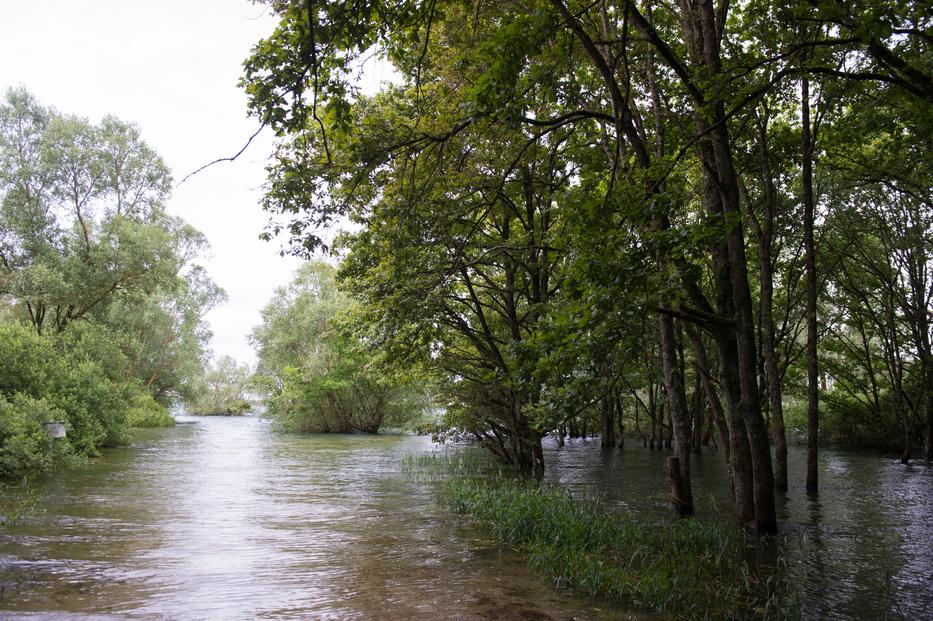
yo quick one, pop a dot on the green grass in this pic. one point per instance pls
(689, 569)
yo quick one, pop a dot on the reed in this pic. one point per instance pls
(689, 569)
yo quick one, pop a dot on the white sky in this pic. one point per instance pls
(171, 67)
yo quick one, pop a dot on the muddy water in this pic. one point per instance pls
(224, 519)
(863, 549)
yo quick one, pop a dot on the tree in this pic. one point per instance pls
(315, 367)
(224, 389)
(82, 217)
(657, 101)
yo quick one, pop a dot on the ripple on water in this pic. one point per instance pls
(223, 519)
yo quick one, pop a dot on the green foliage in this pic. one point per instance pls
(82, 213)
(147, 412)
(688, 569)
(85, 238)
(42, 379)
(25, 447)
(103, 275)
(222, 391)
(545, 177)
(17, 503)
(315, 368)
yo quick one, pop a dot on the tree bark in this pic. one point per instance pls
(766, 305)
(607, 437)
(813, 395)
(679, 465)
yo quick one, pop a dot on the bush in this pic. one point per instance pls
(849, 422)
(43, 378)
(147, 412)
(25, 447)
(238, 407)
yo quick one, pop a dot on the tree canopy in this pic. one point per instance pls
(554, 189)
(105, 278)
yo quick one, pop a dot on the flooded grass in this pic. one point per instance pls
(688, 569)
(17, 503)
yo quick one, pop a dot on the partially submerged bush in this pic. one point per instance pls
(25, 446)
(42, 379)
(147, 412)
(223, 390)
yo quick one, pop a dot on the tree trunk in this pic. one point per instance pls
(697, 407)
(745, 502)
(653, 414)
(679, 465)
(680, 488)
(620, 417)
(607, 435)
(766, 305)
(929, 405)
(704, 37)
(813, 394)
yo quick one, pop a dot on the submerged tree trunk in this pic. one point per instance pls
(607, 437)
(725, 434)
(704, 39)
(620, 417)
(766, 281)
(697, 408)
(813, 395)
(529, 456)
(929, 405)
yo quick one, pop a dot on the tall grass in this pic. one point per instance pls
(689, 569)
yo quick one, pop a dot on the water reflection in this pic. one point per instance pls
(862, 549)
(222, 519)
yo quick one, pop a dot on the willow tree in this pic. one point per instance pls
(83, 217)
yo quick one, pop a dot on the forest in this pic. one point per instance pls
(567, 263)
(684, 223)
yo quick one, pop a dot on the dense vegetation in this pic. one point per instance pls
(685, 569)
(224, 389)
(315, 370)
(683, 218)
(101, 302)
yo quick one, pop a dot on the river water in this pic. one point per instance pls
(221, 518)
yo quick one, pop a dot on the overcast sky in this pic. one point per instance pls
(171, 67)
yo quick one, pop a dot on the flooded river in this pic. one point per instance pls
(225, 519)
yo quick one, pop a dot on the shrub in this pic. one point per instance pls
(25, 447)
(147, 412)
(44, 378)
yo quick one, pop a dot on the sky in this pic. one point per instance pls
(171, 67)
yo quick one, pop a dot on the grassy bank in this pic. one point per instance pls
(688, 569)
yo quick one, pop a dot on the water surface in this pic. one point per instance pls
(224, 519)
(221, 518)
(862, 549)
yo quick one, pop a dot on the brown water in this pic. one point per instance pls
(862, 550)
(224, 519)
